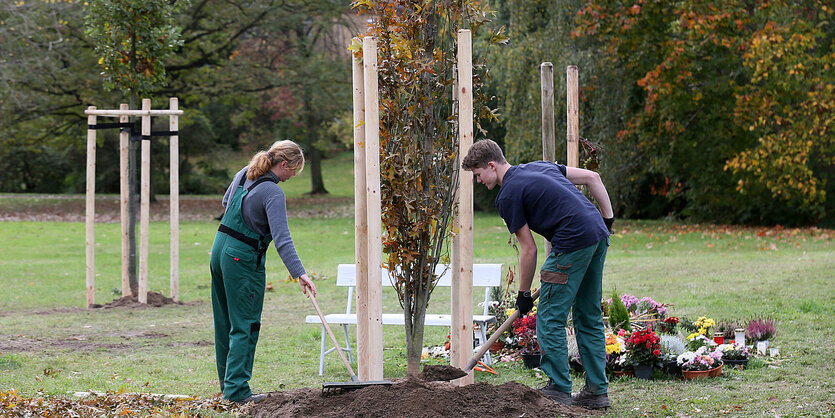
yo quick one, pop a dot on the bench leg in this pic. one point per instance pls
(348, 344)
(322, 353)
(488, 358)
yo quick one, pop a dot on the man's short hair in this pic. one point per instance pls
(481, 153)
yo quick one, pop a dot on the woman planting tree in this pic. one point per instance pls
(255, 215)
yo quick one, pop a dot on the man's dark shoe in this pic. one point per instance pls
(589, 400)
(556, 395)
(253, 398)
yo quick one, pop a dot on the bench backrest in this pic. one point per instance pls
(484, 275)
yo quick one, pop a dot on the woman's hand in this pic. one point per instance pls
(307, 284)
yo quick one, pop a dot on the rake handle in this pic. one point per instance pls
(333, 338)
(498, 333)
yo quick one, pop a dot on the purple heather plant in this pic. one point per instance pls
(761, 329)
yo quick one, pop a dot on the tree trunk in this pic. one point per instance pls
(317, 185)
(414, 331)
(132, 204)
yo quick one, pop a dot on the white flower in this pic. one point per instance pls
(685, 357)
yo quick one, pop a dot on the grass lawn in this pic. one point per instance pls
(50, 345)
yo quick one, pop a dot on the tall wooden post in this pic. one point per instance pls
(549, 135)
(174, 197)
(144, 205)
(461, 338)
(360, 219)
(374, 202)
(124, 195)
(90, 219)
(573, 111)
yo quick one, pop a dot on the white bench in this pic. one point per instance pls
(484, 275)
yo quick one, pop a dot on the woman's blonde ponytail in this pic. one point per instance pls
(259, 165)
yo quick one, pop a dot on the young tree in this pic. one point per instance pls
(133, 38)
(419, 161)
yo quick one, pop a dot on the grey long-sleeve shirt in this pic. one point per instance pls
(264, 211)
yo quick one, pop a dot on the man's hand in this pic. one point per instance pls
(524, 302)
(609, 222)
(307, 284)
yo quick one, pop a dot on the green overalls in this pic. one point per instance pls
(238, 279)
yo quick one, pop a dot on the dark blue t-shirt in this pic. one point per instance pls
(539, 194)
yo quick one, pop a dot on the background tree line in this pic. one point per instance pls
(708, 110)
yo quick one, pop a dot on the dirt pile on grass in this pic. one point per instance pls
(438, 373)
(155, 299)
(413, 397)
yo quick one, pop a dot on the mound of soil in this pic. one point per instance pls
(154, 299)
(412, 398)
(440, 373)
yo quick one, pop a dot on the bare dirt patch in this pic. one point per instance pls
(154, 300)
(28, 344)
(416, 398)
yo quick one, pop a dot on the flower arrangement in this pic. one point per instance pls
(761, 329)
(643, 305)
(734, 351)
(704, 325)
(643, 347)
(672, 346)
(524, 329)
(699, 360)
(696, 341)
(616, 351)
(668, 325)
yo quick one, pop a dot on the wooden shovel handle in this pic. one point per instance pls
(333, 338)
(504, 327)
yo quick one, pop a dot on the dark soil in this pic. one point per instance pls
(413, 398)
(433, 373)
(154, 299)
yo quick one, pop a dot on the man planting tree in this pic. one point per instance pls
(541, 197)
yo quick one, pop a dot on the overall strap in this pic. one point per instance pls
(257, 182)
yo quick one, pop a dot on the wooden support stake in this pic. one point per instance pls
(461, 339)
(573, 111)
(375, 233)
(90, 219)
(174, 198)
(124, 190)
(360, 220)
(144, 205)
(549, 135)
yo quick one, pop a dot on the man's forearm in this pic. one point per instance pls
(599, 193)
(527, 267)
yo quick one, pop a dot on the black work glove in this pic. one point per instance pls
(608, 222)
(524, 302)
